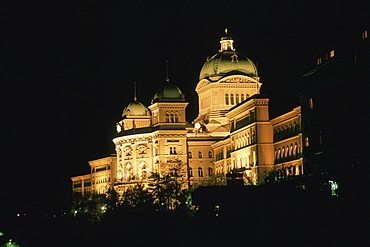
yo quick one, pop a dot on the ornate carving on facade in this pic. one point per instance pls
(237, 80)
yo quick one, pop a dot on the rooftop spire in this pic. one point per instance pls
(167, 79)
(135, 98)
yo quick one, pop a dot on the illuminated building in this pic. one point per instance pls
(232, 133)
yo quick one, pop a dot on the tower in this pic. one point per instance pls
(226, 79)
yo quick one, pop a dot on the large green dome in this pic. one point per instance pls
(135, 109)
(227, 62)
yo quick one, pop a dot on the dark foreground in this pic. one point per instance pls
(297, 219)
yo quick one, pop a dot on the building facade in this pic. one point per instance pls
(232, 133)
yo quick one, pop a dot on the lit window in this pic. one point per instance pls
(319, 61)
(310, 103)
(307, 142)
(364, 35)
(332, 53)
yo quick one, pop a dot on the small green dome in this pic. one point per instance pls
(135, 109)
(168, 91)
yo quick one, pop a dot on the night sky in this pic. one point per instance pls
(68, 67)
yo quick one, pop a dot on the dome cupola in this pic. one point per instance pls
(135, 108)
(227, 62)
(169, 91)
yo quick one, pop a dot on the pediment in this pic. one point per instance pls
(202, 84)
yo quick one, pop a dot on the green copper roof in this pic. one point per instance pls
(135, 109)
(228, 63)
(170, 92)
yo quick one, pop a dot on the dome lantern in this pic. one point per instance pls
(226, 43)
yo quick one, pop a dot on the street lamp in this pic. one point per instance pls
(197, 128)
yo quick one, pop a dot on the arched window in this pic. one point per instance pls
(280, 134)
(200, 172)
(232, 99)
(210, 154)
(174, 150)
(128, 171)
(285, 135)
(176, 117)
(190, 172)
(310, 103)
(210, 172)
(142, 170)
(167, 117)
(276, 156)
(172, 118)
(200, 154)
(242, 97)
(237, 98)
(171, 151)
(190, 154)
(286, 152)
(226, 99)
(295, 151)
(307, 142)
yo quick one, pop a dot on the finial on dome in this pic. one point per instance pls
(135, 98)
(226, 31)
(167, 79)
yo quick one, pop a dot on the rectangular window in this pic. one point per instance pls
(364, 35)
(332, 53)
(200, 172)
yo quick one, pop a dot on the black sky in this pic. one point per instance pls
(68, 67)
